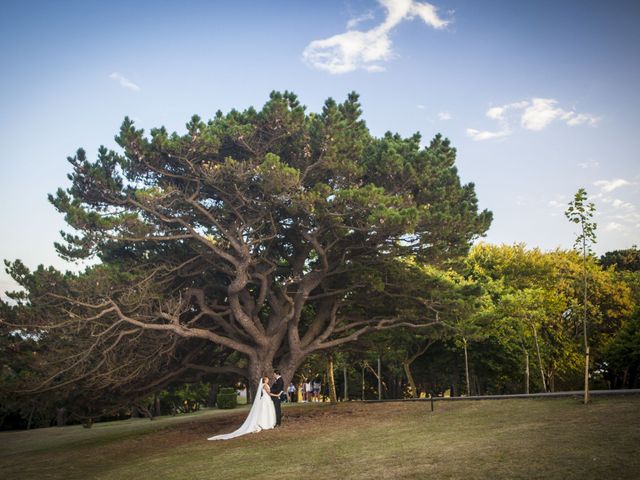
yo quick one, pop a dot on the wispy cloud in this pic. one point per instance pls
(444, 116)
(124, 82)
(354, 22)
(486, 135)
(617, 203)
(355, 49)
(608, 186)
(589, 164)
(535, 115)
(557, 206)
(613, 227)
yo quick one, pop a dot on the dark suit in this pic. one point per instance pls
(277, 389)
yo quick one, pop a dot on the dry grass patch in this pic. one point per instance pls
(484, 439)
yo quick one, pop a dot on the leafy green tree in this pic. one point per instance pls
(532, 295)
(581, 212)
(620, 358)
(623, 260)
(257, 233)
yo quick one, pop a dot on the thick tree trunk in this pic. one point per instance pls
(263, 365)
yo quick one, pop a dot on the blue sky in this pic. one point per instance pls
(540, 98)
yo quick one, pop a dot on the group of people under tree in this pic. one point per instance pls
(307, 390)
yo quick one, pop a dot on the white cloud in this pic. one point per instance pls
(540, 113)
(124, 82)
(613, 227)
(421, 107)
(486, 135)
(444, 116)
(354, 49)
(497, 113)
(543, 111)
(534, 115)
(610, 185)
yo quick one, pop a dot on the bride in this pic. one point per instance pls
(262, 415)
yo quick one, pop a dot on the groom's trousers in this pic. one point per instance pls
(276, 404)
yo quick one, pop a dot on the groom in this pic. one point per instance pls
(276, 391)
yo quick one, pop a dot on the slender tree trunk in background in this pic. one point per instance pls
(535, 339)
(466, 366)
(586, 376)
(412, 384)
(584, 323)
(156, 406)
(333, 397)
(526, 375)
(363, 382)
(345, 393)
(33, 408)
(407, 367)
(625, 377)
(61, 417)
(379, 380)
(213, 395)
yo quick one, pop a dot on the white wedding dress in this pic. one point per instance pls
(262, 416)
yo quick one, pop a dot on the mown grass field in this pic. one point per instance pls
(507, 439)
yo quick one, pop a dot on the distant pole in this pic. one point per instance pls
(526, 354)
(345, 395)
(363, 382)
(379, 381)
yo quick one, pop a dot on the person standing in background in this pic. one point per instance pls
(317, 385)
(291, 392)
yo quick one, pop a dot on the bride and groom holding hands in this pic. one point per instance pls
(265, 412)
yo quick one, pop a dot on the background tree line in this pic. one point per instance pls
(512, 308)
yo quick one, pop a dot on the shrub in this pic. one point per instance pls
(227, 398)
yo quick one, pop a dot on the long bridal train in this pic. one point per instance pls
(262, 415)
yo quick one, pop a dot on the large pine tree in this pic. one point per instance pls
(258, 233)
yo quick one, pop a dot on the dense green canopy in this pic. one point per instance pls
(261, 233)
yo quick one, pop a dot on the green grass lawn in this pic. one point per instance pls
(507, 439)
